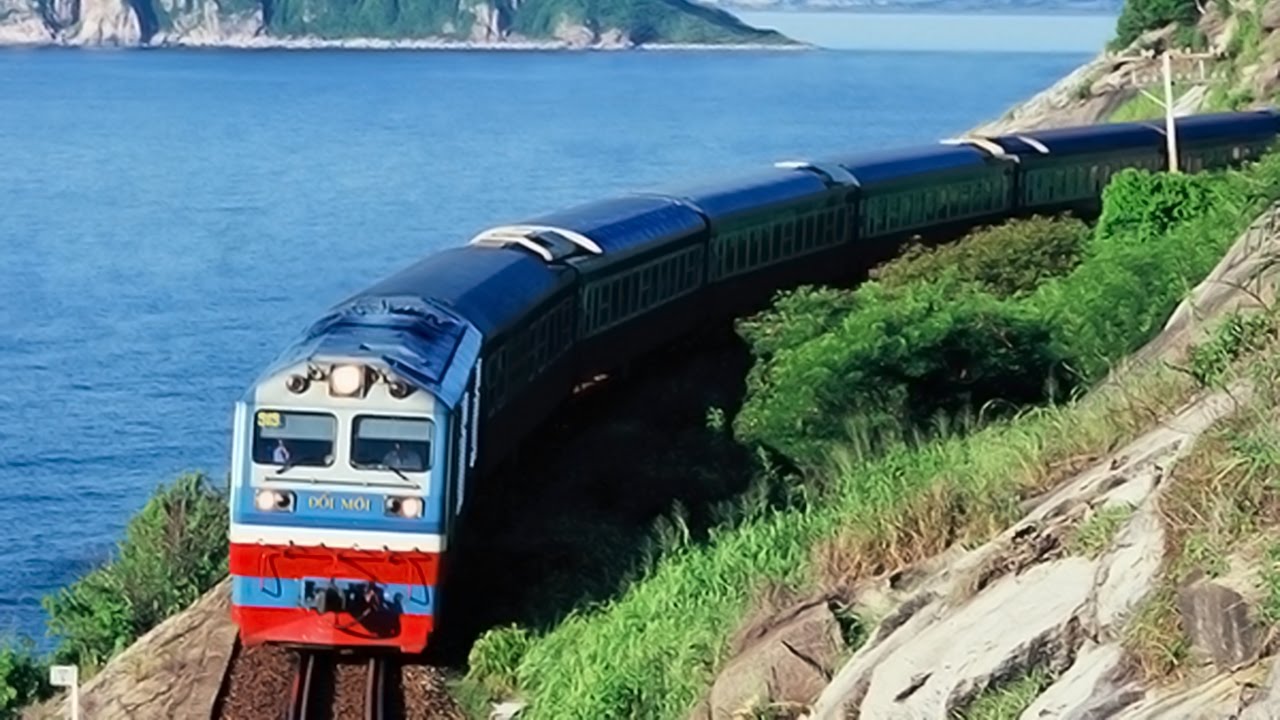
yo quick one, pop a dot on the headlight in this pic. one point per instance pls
(346, 380)
(273, 501)
(408, 507)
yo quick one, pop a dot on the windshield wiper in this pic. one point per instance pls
(402, 475)
(288, 465)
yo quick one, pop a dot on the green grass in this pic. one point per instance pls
(1094, 535)
(1271, 585)
(650, 652)
(1006, 701)
(872, 501)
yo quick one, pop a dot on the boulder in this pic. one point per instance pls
(174, 671)
(789, 659)
(1130, 570)
(1095, 687)
(1269, 17)
(1020, 621)
(1220, 624)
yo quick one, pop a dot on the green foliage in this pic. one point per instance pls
(495, 658)
(1157, 236)
(1271, 585)
(1094, 536)
(901, 358)
(1189, 37)
(650, 652)
(1009, 259)
(1006, 701)
(174, 550)
(886, 356)
(1237, 335)
(1246, 41)
(23, 678)
(1140, 16)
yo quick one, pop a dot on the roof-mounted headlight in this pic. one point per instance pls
(399, 389)
(347, 380)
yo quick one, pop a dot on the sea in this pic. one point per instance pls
(169, 219)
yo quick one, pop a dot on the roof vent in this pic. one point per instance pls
(547, 242)
(982, 143)
(830, 171)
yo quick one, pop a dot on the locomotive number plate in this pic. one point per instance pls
(342, 503)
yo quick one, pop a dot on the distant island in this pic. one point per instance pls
(514, 24)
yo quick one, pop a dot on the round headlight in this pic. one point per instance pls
(346, 379)
(297, 384)
(411, 507)
(265, 500)
(398, 389)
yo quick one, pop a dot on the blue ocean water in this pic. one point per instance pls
(169, 219)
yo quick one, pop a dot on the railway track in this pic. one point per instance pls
(330, 687)
(275, 683)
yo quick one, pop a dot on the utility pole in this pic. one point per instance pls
(1169, 102)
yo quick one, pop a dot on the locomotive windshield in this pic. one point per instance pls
(391, 443)
(289, 439)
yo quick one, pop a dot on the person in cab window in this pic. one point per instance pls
(280, 454)
(401, 459)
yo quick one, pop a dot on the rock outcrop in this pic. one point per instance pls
(175, 671)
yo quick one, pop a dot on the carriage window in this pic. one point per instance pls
(391, 443)
(289, 439)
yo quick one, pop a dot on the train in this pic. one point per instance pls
(355, 451)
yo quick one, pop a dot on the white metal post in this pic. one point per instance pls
(1169, 130)
(68, 676)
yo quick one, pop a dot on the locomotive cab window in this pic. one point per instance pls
(290, 439)
(391, 443)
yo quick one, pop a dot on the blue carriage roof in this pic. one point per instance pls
(626, 223)
(1221, 125)
(730, 196)
(886, 166)
(1093, 138)
(489, 287)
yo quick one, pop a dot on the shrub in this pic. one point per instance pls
(1007, 259)
(1140, 16)
(23, 678)
(1237, 335)
(174, 550)
(903, 356)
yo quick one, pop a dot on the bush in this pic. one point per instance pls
(1140, 16)
(1158, 235)
(23, 678)
(174, 550)
(1008, 259)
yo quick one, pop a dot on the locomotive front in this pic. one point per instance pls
(341, 488)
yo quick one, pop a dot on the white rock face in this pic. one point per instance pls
(1016, 622)
(202, 24)
(21, 24)
(1064, 614)
(105, 22)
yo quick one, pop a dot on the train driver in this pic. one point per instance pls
(402, 459)
(280, 454)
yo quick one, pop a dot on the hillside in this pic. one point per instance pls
(375, 23)
(1244, 72)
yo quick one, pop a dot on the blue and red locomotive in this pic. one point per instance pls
(353, 454)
